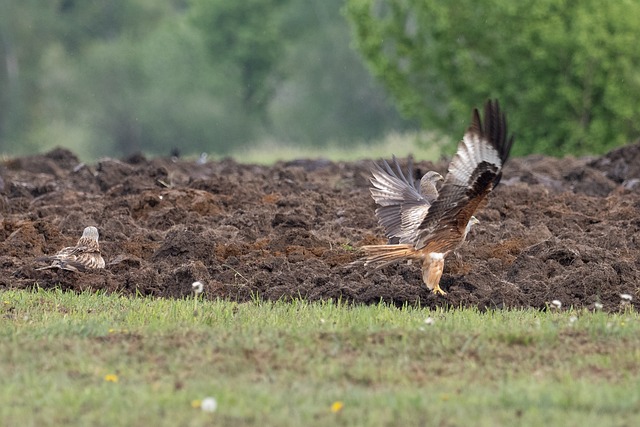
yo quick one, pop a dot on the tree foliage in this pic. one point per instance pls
(327, 94)
(246, 37)
(114, 77)
(567, 71)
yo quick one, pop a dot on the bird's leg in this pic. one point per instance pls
(432, 269)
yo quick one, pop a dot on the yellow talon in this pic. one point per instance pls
(438, 291)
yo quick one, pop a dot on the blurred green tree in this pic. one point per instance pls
(567, 71)
(327, 94)
(246, 38)
(153, 94)
(25, 31)
(111, 78)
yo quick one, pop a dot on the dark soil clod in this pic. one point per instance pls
(565, 229)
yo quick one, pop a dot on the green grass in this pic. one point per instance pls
(424, 146)
(285, 364)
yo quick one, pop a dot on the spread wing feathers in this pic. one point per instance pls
(380, 255)
(412, 213)
(473, 172)
(391, 188)
(399, 198)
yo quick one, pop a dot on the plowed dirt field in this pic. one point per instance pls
(565, 229)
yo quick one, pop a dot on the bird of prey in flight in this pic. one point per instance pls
(84, 255)
(441, 227)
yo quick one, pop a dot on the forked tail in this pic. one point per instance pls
(380, 255)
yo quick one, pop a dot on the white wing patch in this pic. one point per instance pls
(473, 151)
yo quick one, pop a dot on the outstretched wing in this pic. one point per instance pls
(412, 213)
(473, 172)
(402, 207)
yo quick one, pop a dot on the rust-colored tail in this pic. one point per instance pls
(381, 255)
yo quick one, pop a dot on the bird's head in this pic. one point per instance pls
(90, 233)
(432, 176)
(428, 182)
(472, 221)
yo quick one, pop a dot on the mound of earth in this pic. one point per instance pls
(555, 229)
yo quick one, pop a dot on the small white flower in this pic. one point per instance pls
(209, 404)
(556, 303)
(429, 321)
(197, 287)
(322, 320)
(572, 319)
(202, 159)
(626, 297)
(598, 306)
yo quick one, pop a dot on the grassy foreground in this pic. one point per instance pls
(97, 359)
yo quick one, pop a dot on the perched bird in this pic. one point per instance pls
(402, 204)
(474, 171)
(85, 254)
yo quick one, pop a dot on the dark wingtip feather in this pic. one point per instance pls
(494, 128)
(476, 123)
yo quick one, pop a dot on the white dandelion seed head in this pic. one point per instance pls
(572, 319)
(209, 404)
(322, 320)
(429, 321)
(598, 306)
(556, 303)
(202, 159)
(198, 287)
(626, 297)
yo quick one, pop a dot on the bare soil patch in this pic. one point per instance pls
(566, 229)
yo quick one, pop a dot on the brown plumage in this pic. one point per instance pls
(474, 172)
(85, 254)
(402, 204)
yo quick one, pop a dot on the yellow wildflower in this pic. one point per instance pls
(337, 406)
(111, 378)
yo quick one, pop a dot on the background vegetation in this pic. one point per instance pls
(112, 78)
(568, 72)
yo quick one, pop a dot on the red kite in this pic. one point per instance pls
(85, 254)
(474, 171)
